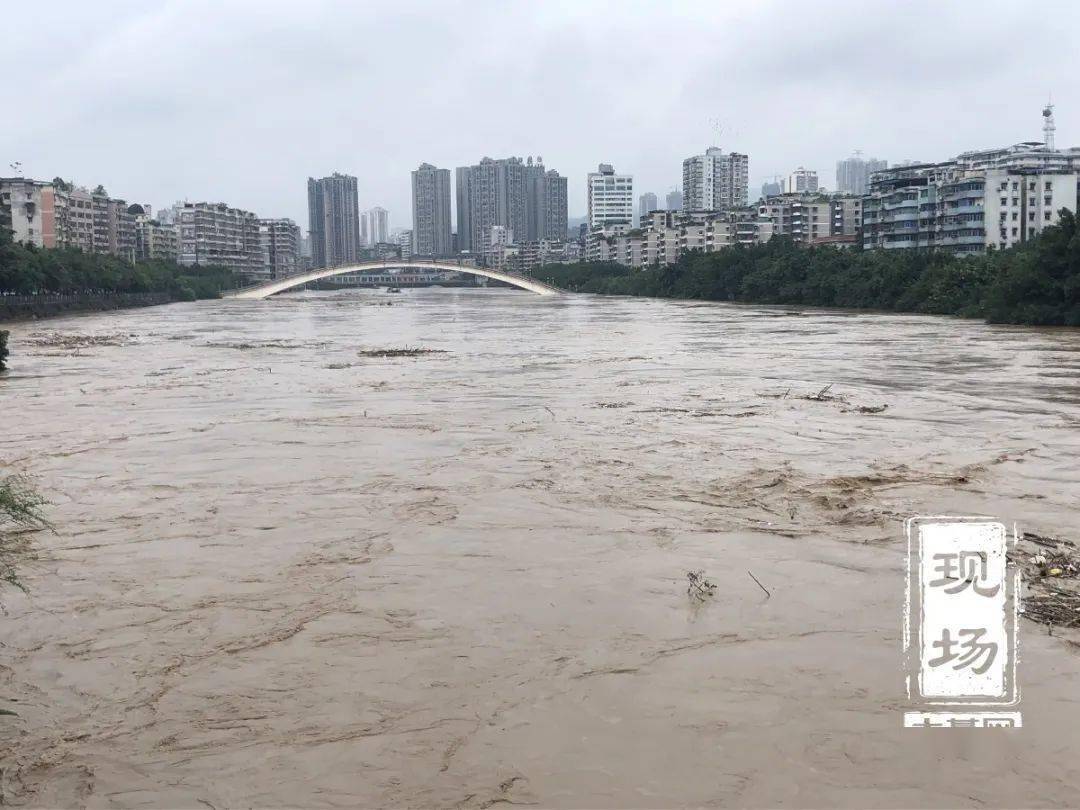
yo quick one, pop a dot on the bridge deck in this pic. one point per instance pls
(267, 288)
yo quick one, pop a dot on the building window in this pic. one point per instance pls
(1046, 215)
(1047, 201)
(1014, 231)
(1004, 200)
(1049, 185)
(1016, 216)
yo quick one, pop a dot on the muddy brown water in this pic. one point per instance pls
(289, 574)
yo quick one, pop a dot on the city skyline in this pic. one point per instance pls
(247, 148)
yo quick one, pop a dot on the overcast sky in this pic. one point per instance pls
(224, 100)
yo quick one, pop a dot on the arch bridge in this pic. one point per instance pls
(267, 288)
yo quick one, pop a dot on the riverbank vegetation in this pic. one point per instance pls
(21, 512)
(1035, 283)
(29, 270)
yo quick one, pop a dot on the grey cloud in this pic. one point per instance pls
(241, 101)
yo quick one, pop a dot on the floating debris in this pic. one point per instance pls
(1051, 571)
(823, 395)
(406, 352)
(700, 588)
(60, 340)
(865, 409)
(768, 594)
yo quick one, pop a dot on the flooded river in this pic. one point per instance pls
(289, 572)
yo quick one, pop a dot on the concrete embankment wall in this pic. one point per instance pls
(24, 307)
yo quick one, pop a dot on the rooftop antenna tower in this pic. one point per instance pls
(1048, 126)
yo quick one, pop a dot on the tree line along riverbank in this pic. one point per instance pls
(26, 270)
(1036, 283)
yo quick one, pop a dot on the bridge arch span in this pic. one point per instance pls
(268, 288)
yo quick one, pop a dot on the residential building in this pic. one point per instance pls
(646, 203)
(387, 250)
(529, 256)
(716, 181)
(993, 198)
(534, 206)
(802, 181)
(812, 218)
(333, 220)
(216, 234)
(674, 200)
(772, 188)
(499, 242)
(21, 209)
(365, 234)
(119, 228)
(853, 174)
(280, 243)
(405, 243)
(378, 225)
(53, 215)
(431, 211)
(551, 208)
(664, 235)
(610, 199)
(463, 204)
(72, 214)
(154, 240)
(495, 193)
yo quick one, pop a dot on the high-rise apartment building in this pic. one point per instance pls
(378, 225)
(431, 211)
(365, 233)
(496, 192)
(215, 234)
(523, 197)
(545, 203)
(404, 241)
(853, 174)
(647, 202)
(534, 216)
(551, 206)
(674, 200)
(280, 242)
(802, 181)
(716, 181)
(333, 220)
(463, 203)
(610, 197)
